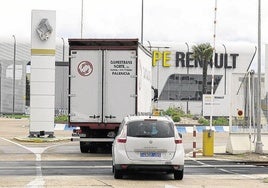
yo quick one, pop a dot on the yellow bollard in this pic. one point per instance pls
(208, 142)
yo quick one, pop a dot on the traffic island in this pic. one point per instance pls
(41, 139)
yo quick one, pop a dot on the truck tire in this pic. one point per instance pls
(178, 174)
(84, 147)
(93, 148)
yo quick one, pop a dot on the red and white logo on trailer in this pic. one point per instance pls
(85, 68)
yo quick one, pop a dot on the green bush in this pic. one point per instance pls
(217, 121)
(221, 121)
(203, 121)
(174, 113)
(176, 118)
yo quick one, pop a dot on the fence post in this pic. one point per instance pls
(194, 141)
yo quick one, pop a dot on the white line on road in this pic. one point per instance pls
(38, 181)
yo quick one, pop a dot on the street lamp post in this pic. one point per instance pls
(142, 22)
(225, 62)
(258, 148)
(82, 17)
(63, 49)
(14, 72)
(63, 56)
(187, 103)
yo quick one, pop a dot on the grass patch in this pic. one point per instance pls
(265, 180)
(61, 119)
(16, 116)
(58, 119)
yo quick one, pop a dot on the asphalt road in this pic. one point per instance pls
(60, 164)
(103, 167)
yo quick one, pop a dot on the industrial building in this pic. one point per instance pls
(176, 75)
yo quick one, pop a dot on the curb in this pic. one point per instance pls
(199, 129)
(41, 140)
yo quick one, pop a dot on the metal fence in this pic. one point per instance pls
(12, 91)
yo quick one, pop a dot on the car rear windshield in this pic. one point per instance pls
(153, 129)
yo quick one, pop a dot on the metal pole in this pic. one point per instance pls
(213, 66)
(150, 46)
(82, 18)
(187, 103)
(142, 22)
(14, 72)
(253, 105)
(249, 109)
(63, 77)
(225, 56)
(63, 49)
(258, 148)
(194, 141)
(187, 52)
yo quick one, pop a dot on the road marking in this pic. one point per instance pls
(38, 181)
(221, 168)
(37, 151)
(107, 167)
(57, 167)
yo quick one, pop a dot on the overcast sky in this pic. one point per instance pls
(164, 20)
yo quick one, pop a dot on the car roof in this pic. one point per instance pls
(143, 117)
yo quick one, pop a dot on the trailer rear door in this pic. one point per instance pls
(120, 84)
(102, 85)
(85, 86)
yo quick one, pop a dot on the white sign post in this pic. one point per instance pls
(43, 38)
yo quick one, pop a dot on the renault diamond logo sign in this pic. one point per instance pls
(44, 29)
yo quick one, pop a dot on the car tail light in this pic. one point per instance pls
(178, 141)
(176, 167)
(121, 140)
(124, 166)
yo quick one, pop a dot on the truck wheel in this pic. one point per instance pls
(84, 147)
(93, 148)
(178, 174)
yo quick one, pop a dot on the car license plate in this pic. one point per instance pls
(150, 154)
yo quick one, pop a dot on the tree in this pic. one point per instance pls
(203, 53)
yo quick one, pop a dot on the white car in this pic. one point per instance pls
(148, 143)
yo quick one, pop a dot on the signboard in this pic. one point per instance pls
(218, 105)
(43, 39)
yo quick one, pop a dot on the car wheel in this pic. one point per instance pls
(178, 174)
(118, 174)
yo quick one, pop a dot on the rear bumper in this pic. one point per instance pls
(96, 126)
(158, 168)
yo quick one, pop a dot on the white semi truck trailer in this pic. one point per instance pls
(108, 80)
